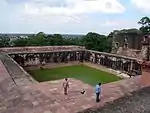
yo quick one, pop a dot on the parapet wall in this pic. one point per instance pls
(4, 73)
(38, 49)
(14, 71)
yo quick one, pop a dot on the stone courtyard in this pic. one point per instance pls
(20, 93)
(48, 97)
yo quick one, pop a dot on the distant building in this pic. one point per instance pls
(132, 45)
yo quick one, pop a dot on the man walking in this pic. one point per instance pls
(66, 86)
(98, 91)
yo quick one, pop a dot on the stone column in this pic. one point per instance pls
(66, 57)
(96, 58)
(131, 65)
(62, 57)
(123, 64)
(113, 63)
(81, 56)
(145, 52)
(55, 58)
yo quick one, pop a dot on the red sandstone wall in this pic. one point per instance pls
(146, 66)
(3, 72)
(40, 48)
(130, 53)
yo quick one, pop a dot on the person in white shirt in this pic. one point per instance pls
(66, 86)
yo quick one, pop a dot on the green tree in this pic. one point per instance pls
(32, 41)
(41, 39)
(49, 40)
(19, 42)
(4, 41)
(37, 40)
(93, 41)
(145, 25)
(58, 39)
(97, 42)
(110, 35)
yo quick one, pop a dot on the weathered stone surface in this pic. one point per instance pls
(17, 73)
(137, 102)
(20, 94)
(48, 97)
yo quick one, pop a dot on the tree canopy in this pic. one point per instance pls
(97, 42)
(91, 40)
(4, 41)
(145, 25)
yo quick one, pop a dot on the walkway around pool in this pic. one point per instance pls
(48, 97)
(75, 101)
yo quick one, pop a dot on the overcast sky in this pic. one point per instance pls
(70, 16)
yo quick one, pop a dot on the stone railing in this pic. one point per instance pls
(58, 54)
(26, 59)
(117, 62)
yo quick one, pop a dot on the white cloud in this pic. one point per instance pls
(143, 5)
(118, 24)
(68, 12)
(110, 23)
(61, 16)
(71, 7)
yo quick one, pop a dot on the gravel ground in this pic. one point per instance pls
(137, 102)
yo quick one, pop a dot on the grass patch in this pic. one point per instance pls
(81, 72)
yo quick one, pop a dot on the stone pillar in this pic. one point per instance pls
(123, 64)
(99, 60)
(115, 45)
(74, 56)
(131, 65)
(81, 56)
(77, 55)
(66, 57)
(62, 57)
(118, 63)
(144, 52)
(71, 56)
(96, 58)
(113, 63)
